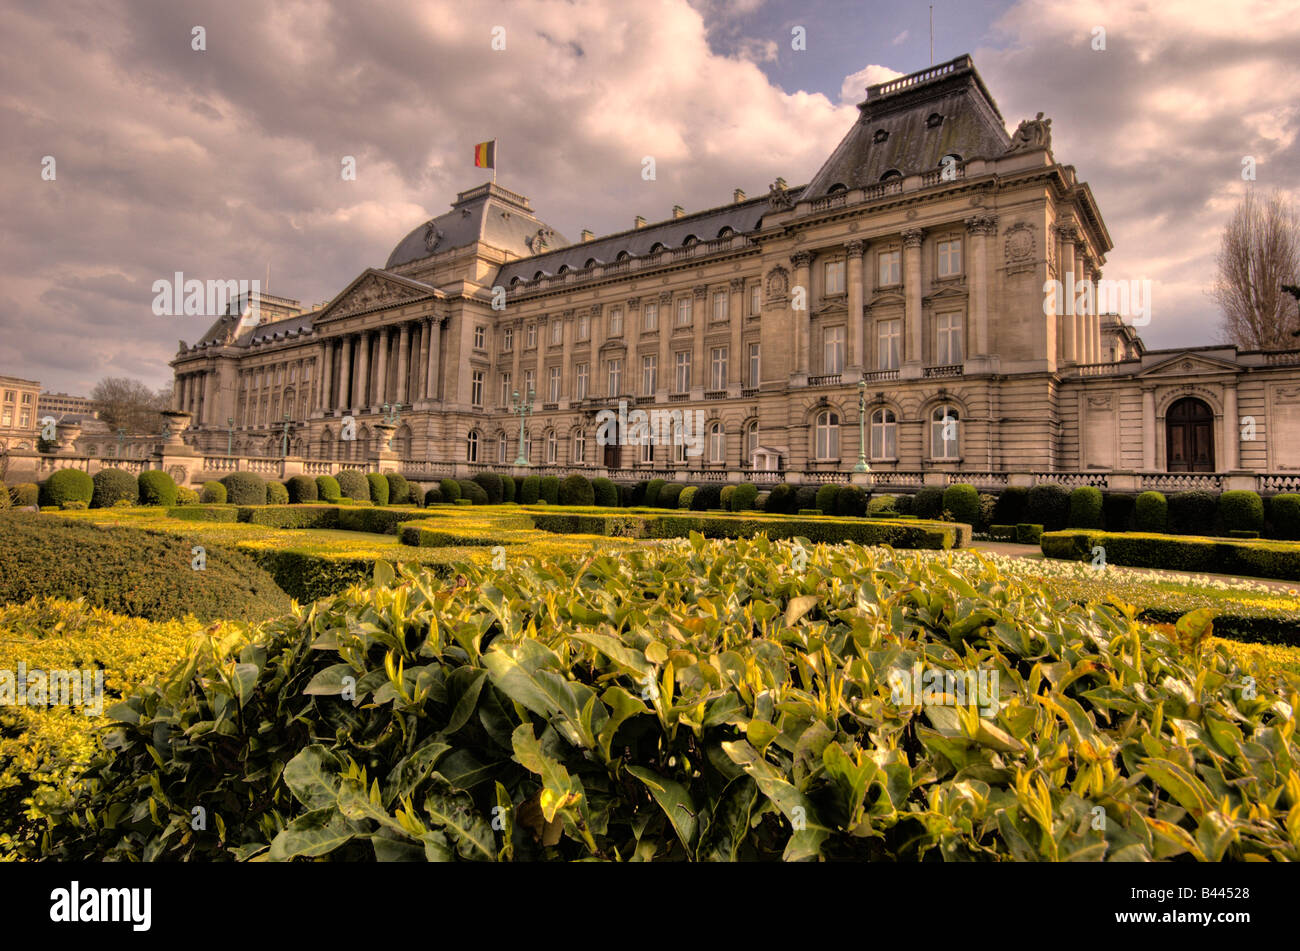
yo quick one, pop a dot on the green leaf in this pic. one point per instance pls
(312, 834)
(468, 698)
(675, 800)
(384, 574)
(809, 834)
(464, 825)
(564, 789)
(622, 707)
(798, 607)
(329, 682)
(1188, 791)
(312, 777)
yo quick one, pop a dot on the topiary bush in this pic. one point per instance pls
(652, 490)
(637, 494)
(1284, 516)
(1150, 512)
(604, 492)
(962, 501)
(1085, 507)
(353, 485)
(214, 493)
(491, 484)
(508, 488)
(987, 503)
(1240, 511)
(577, 490)
(745, 498)
(805, 497)
(1117, 511)
(156, 488)
(1048, 504)
(245, 488)
(782, 498)
(474, 492)
(548, 490)
(724, 496)
(433, 495)
(1010, 507)
(67, 485)
(706, 497)
(685, 500)
(302, 488)
(1192, 513)
(184, 496)
(851, 501)
(881, 506)
(327, 489)
(399, 490)
(928, 503)
(25, 493)
(530, 490)
(378, 484)
(825, 498)
(451, 490)
(277, 493)
(669, 495)
(113, 486)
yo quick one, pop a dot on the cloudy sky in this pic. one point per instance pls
(222, 162)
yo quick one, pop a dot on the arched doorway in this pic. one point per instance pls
(1189, 436)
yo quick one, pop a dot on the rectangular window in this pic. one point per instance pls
(27, 399)
(24, 418)
(615, 377)
(754, 364)
(480, 337)
(719, 306)
(532, 336)
(890, 268)
(684, 312)
(616, 321)
(554, 385)
(950, 258)
(948, 348)
(650, 319)
(889, 339)
(833, 350)
(8, 418)
(476, 388)
(9, 395)
(649, 375)
(557, 332)
(508, 339)
(682, 369)
(834, 277)
(293, 372)
(580, 381)
(718, 368)
(647, 456)
(530, 383)
(584, 327)
(756, 299)
(506, 394)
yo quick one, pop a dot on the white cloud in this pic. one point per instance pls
(854, 88)
(901, 38)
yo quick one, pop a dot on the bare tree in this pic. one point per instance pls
(129, 404)
(1260, 252)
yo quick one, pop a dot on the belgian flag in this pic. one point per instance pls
(485, 154)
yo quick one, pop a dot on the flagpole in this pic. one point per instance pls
(496, 155)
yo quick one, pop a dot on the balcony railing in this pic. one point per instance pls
(949, 370)
(880, 376)
(828, 379)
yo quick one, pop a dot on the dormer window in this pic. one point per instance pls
(934, 121)
(880, 136)
(656, 248)
(690, 240)
(623, 256)
(591, 262)
(837, 188)
(892, 175)
(564, 269)
(726, 233)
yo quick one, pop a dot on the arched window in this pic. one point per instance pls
(623, 256)
(944, 436)
(564, 269)
(881, 136)
(539, 275)
(751, 442)
(952, 158)
(471, 446)
(552, 447)
(884, 434)
(893, 175)
(591, 262)
(827, 431)
(726, 232)
(690, 240)
(717, 443)
(516, 280)
(657, 247)
(579, 448)
(837, 188)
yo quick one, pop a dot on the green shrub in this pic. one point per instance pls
(1258, 559)
(433, 495)
(74, 506)
(805, 497)
(214, 493)
(963, 502)
(465, 501)
(277, 493)
(474, 492)
(881, 506)
(245, 488)
(530, 490)
(25, 493)
(687, 498)
(987, 502)
(205, 513)
(302, 489)
(491, 483)
(576, 489)
(707, 497)
(143, 574)
(669, 495)
(724, 497)
(928, 502)
(782, 498)
(1192, 513)
(825, 499)
(508, 488)
(604, 492)
(1002, 533)
(353, 485)
(1284, 515)
(399, 490)
(905, 504)
(803, 513)
(851, 502)
(744, 498)
(113, 486)
(1028, 533)
(378, 484)
(1240, 511)
(1048, 504)
(548, 490)
(1242, 533)
(1117, 511)
(327, 489)
(1085, 507)
(185, 496)
(652, 489)
(451, 490)
(1011, 504)
(637, 494)
(156, 488)
(1150, 512)
(67, 485)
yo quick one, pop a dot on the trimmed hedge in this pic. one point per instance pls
(67, 485)
(1240, 511)
(378, 487)
(1002, 533)
(214, 493)
(433, 495)
(302, 489)
(782, 498)
(399, 490)
(686, 499)
(490, 482)
(928, 503)
(548, 490)
(1048, 505)
(205, 513)
(745, 498)
(707, 497)
(669, 495)
(354, 485)
(277, 493)
(508, 488)
(245, 488)
(473, 492)
(156, 488)
(1086, 507)
(1117, 511)
(1028, 533)
(327, 489)
(604, 492)
(850, 502)
(825, 502)
(1284, 514)
(1192, 513)
(529, 490)
(881, 506)
(577, 490)
(962, 502)
(724, 497)
(451, 490)
(1257, 559)
(113, 486)
(652, 490)
(636, 495)
(1150, 513)
(1010, 506)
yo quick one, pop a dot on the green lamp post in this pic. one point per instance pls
(522, 409)
(862, 429)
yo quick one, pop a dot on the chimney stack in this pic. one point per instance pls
(737, 195)
(679, 211)
(587, 235)
(640, 222)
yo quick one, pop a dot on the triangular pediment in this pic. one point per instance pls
(1189, 363)
(949, 293)
(887, 299)
(374, 289)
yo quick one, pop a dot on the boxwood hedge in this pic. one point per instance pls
(353, 485)
(245, 488)
(67, 485)
(1085, 507)
(962, 502)
(113, 486)
(214, 493)
(327, 489)
(277, 493)
(605, 492)
(1256, 559)
(1151, 513)
(378, 487)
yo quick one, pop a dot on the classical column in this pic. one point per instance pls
(913, 354)
(736, 315)
(345, 376)
(1149, 434)
(801, 262)
(381, 366)
(1082, 323)
(597, 379)
(403, 363)
(980, 228)
(1068, 332)
(1231, 429)
(420, 372)
(667, 320)
(363, 373)
(853, 277)
(435, 355)
(178, 394)
(699, 319)
(323, 369)
(566, 360)
(1094, 319)
(518, 346)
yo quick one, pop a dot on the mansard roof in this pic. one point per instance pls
(490, 214)
(897, 129)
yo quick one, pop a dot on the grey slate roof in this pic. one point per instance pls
(972, 127)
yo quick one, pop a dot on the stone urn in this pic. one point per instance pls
(385, 433)
(67, 437)
(175, 422)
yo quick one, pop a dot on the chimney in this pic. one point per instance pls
(679, 211)
(640, 222)
(587, 235)
(737, 195)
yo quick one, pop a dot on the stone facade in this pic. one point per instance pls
(908, 276)
(19, 421)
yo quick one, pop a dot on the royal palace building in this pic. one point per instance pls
(908, 276)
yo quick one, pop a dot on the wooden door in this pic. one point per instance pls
(1189, 437)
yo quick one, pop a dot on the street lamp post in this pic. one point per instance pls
(230, 435)
(523, 410)
(121, 441)
(862, 429)
(284, 446)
